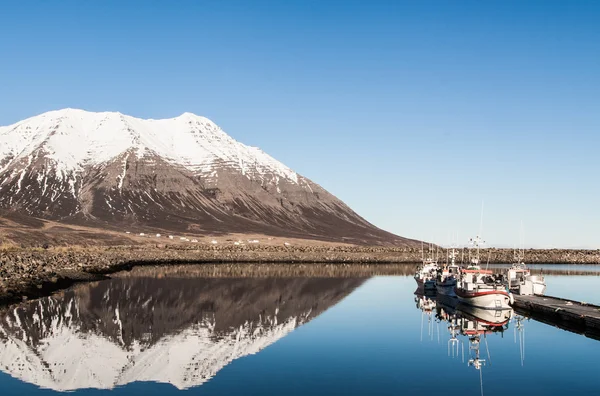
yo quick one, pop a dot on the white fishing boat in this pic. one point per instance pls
(520, 281)
(426, 273)
(448, 275)
(482, 288)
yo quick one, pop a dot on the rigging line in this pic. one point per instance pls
(481, 380)
(522, 240)
(421, 326)
(522, 342)
(487, 349)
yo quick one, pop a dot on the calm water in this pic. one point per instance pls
(154, 334)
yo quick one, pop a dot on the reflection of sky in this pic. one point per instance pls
(574, 287)
(370, 343)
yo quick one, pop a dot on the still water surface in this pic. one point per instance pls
(156, 333)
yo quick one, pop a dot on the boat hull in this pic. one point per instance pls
(493, 299)
(448, 303)
(539, 288)
(446, 288)
(539, 285)
(428, 285)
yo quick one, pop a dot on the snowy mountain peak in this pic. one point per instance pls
(183, 173)
(191, 116)
(74, 138)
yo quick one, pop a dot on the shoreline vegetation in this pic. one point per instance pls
(35, 272)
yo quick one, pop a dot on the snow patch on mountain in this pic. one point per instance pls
(74, 139)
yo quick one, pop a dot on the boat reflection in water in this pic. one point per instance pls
(426, 302)
(470, 326)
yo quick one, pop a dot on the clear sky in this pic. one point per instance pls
(412, 112)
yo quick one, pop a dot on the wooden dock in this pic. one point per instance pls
(574, 316)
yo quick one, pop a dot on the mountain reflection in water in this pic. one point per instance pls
(167, 329)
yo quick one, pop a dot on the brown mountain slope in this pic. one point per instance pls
(212, 184)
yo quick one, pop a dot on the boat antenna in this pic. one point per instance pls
(522, 241)
(481, 220)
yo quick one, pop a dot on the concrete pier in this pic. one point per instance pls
(574, 316)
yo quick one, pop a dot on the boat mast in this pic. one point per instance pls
(480, 231)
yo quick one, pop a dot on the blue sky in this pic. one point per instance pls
(412, 112)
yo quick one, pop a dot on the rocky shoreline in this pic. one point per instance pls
(34, 272)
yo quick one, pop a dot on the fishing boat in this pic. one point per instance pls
(426, 273)
(482, 288)
(520, 281)
(448, 275)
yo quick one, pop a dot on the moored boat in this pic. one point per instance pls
(426, 272)
(520, 281)
(425, 275)
(482, 288)
(447, 276)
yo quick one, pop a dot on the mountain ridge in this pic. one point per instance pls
(181, 173)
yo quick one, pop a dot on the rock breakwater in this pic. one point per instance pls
(34, 272)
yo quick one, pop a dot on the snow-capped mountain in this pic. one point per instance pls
(179, 173)
(169, 330)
